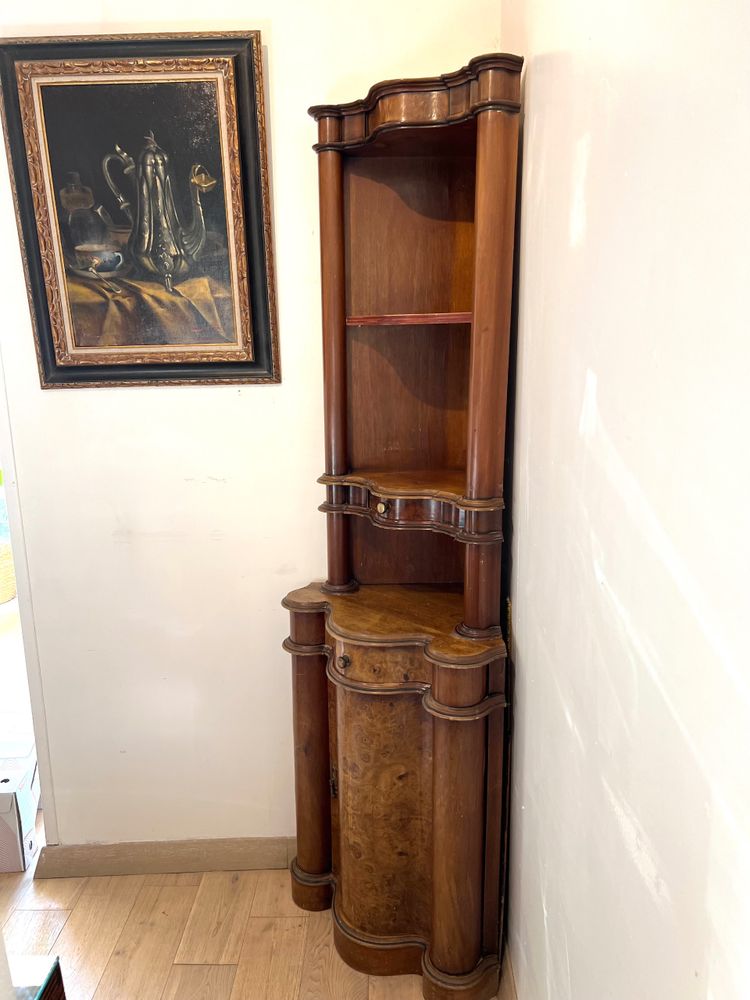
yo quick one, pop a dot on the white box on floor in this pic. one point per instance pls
(19, 801)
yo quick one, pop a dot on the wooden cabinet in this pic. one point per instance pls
(400, 695)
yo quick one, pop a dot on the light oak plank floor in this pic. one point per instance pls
(216, 927)
(199, 982)
(93, 929)
(217, 936)
(145, 951)
(271, 960)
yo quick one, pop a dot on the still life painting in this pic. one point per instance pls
(142, 198)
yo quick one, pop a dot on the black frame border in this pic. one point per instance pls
(246, 52)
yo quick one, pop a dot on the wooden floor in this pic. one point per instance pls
(217, 936)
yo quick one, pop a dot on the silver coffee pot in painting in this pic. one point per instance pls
(160, 243)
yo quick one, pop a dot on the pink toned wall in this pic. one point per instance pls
(631, 832)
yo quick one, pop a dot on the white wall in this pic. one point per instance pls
(630, 866)
(164, 525)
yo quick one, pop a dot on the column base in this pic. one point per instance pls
(377, 956)
(339, 588)
(493, 632)
(311, 892)
(482, 983)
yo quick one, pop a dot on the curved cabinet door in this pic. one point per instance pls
(384, 777)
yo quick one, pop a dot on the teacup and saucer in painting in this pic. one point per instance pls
(98, 257)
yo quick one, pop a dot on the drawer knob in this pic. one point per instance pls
(342, 662)
(383, 507)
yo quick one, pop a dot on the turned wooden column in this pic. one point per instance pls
(311, 868)
(331, 186)
(482, 588)
(494, 220)
(458, 823)
(495, 840)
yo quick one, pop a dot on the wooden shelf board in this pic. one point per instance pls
(411, 319)
(448, 484)
(401, 613)
(422, 482)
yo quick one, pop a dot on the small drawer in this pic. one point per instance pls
(391, 665)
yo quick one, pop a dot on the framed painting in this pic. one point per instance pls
(140, 178)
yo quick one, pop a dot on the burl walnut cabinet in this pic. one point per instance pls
(400, 713)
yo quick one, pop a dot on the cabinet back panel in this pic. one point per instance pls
(407, 396)
(409, 234)
(382, 555)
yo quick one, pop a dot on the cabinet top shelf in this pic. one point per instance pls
(410, 319)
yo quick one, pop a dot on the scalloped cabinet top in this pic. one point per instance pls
(491, 81)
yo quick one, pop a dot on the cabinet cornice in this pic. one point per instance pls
(490, 82)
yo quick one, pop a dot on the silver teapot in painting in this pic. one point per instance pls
(160, 242)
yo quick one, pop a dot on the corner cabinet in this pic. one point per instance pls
(400, 714)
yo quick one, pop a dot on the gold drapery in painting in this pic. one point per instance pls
(144, 313)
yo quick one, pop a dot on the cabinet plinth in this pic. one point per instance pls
(401, 714)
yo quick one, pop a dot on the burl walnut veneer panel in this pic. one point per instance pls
(385, 805)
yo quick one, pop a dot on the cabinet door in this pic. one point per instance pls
(384, 765)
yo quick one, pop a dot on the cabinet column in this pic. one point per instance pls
(494, 220)
(331, 184)
(482, 589)
(458, 825)
(311, 869)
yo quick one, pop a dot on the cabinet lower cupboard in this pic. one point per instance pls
(401, 722)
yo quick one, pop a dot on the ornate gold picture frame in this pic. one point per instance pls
(141, 182)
